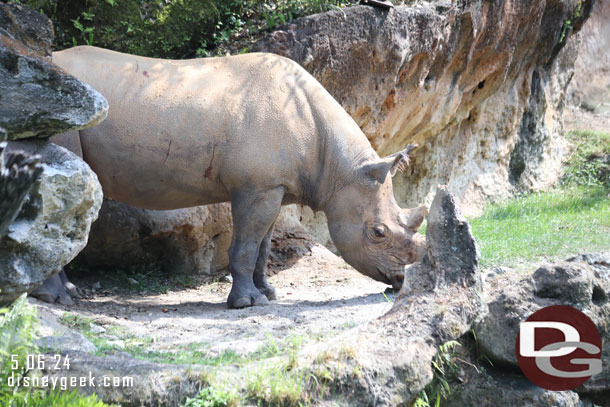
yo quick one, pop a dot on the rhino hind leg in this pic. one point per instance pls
(253, 216)
(260, 277)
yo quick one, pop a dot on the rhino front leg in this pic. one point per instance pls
(253, 216)
(260, 277)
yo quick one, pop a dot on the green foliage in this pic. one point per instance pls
(17, 333)
(214, 397)
(63, 399)
(567, 25)
(170, 28)
(444, 366)
(278, 385)
(589, 165)
(18, 326)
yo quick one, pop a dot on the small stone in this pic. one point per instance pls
(226, 279)
(96, 286)
(96, 329)
(132, 281)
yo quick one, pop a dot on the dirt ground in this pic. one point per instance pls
(580, 119)
(318, 296)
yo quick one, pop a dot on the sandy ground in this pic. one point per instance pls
(318, 296)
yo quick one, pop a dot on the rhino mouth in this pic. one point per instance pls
(383, 277)
(397, 280)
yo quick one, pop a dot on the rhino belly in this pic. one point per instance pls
(159, 173)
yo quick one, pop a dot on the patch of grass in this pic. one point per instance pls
(544, 225)
(444, 367)
(62, 399)
(571, 219)
(278, 385)
(589, 165)
(18, 326)
(77, 322)
(214, 396)
(190, 354)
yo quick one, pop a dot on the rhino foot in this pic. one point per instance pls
(246, 298)
(244, 302)
(268, 290)
(56, 289)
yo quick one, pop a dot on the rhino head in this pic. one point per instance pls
(372, 233)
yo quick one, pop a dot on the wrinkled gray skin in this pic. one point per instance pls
(256, 130)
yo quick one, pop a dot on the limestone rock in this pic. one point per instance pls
(54, 222)
(582, 282)
(57, 338)
(439, 300)
(489, 387)
(146, 383)
(443, 75)
(192, 240)
(38, 99)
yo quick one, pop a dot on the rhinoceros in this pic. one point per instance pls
(256, 130)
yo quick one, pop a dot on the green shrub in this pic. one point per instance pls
(17, 329)
(61, 399)
(170, 28)
(214, 397)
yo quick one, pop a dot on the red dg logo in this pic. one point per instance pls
(558, 348)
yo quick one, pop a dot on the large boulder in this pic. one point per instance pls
(38, 99)
(192, 240)
(54, 222)
(481, 385)
(478, 85)
(582, 282)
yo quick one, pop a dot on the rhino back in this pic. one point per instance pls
(186, 133)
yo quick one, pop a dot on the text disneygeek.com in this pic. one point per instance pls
(56, 363)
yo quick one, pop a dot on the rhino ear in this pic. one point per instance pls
(379, 170)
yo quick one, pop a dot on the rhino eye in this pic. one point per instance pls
(379, 232)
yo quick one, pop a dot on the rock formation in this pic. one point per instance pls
(38, 99)
(438, 302)
(389, 361)
(478, 85)
(582, 282)
(40, 231)
(54, 222)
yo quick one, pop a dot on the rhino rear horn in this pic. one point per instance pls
(392, 164)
